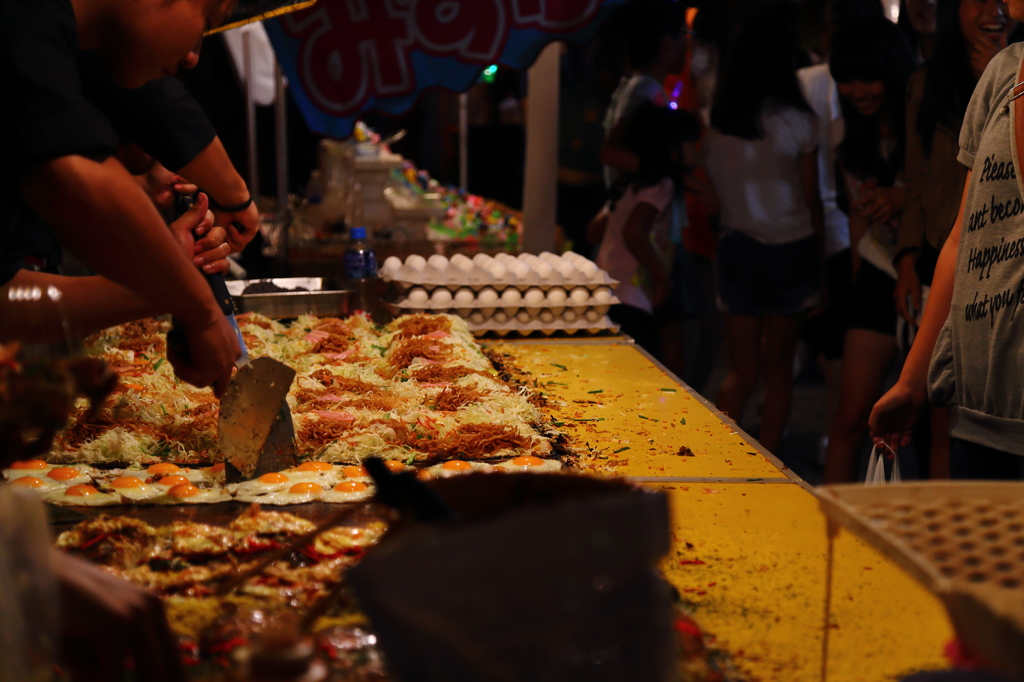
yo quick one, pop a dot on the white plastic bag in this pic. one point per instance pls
(876, 467)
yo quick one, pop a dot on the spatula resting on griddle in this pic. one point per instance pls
(254, 430)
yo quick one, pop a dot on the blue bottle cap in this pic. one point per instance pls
(358, 233)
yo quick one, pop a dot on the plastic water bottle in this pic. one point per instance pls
(360, 260)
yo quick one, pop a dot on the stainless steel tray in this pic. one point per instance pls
(325, 297)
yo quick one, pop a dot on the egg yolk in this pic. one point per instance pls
(355, 472)
(457, 465)
(273, 478)
(217, 468)
(126, 482)
(80, 491)
(424, 475)
(394, 465)
(28, 482)
(164, 468)
(184, 490)
(314, 466)
(172, 481)
(527, 461)
(350, 487)
(63, 474)
(30, 464)
(305, 487)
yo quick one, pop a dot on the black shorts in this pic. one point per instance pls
(824, 334)
(872, 305)
(767, 279)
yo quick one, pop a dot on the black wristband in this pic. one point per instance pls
(237, 208)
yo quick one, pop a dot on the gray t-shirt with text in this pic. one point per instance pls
(978, 364)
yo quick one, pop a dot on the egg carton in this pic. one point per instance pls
(488, 308)
(513, 326)
(501, 272)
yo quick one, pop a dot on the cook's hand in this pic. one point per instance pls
(209, 353)
(241, 227)
(160, 185)
(882, 204)
(908, 285)
(202, 241)
(894, 415)
(105, 620)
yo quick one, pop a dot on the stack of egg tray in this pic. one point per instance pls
(963, 540)
(507, 295)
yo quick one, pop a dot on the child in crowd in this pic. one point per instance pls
(937, 97)
(972, 320)
(870, 61)
(761, 159)
(635, 245)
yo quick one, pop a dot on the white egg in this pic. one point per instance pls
(529, 463)
(454, 468)
(80, 496)
(580, 296)
(572, 255)
(393, 263)
(437, 261)
(542, 268)
(500, 317)
(547, 317)
(593, 316)
(511, 297)
(526, 257)
(441, 297)
(520, 269)
(348, 491)
(416, 262)
(458, 258)
(299, 493)
(588, 268)
(477, 317)
(549, 257)
(418, 296)
(603, 296)
(567, 269)
(487, 297)
(534, 297)
(467, 266)
(523, 317)
(556, 296)
(464, 297)
(497, 270)
(503, 258)
(569, 316)
(482, 259)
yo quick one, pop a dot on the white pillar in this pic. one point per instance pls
(541, 181)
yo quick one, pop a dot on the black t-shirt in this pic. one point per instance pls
(58, 102)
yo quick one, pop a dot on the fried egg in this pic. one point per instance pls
(454, 467)
(348, 491)
(186, 493)
(40, 484)
(529, 463)
(354, 473)
(68, 476)
(267, 483)
(299, 493)
(37, 468)
(324, 473)
(133, 488)
(80, 496)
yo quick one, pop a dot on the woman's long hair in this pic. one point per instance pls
(760, 66)
(870, 50)
(656, 135)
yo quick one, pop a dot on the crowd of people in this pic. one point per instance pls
(834, 179)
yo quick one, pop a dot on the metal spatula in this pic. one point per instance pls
(254, 429)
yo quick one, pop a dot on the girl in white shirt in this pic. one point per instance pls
(761, 159)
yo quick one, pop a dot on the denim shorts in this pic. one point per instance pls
(768, 279)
